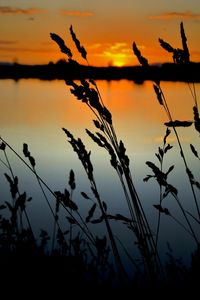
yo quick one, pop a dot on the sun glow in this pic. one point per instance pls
(117, 60)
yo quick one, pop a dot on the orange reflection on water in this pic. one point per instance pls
(37, 103)
(137, 115)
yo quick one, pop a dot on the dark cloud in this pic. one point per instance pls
(5, 10)
(7, 42)
(24, 49)
(176, 15)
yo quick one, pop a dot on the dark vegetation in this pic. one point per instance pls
(76, 259)
(66, 70)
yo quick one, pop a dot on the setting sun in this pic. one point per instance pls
(119, 61)
(106, 31)
(116, 60)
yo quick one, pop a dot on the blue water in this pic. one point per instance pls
(34, 112)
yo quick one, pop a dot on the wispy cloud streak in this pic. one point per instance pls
(7, 10)
(176, 15)
(118, 48)
(9, 48)
(76, 13)
(7, 42)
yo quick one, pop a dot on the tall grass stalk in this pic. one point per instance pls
(180, 56)
(106, 137)
(14, 186)
(83, 227)
(88, 93)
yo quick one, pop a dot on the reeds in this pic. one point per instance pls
(79, 240)
(87, 92)
(181, 57)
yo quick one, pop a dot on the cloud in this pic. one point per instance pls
(24, 49)
(76, 13)
(7, 42)
(176, 15)
(5, 10)
(118, 48)
(94, 46)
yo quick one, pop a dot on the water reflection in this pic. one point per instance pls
(34, 112)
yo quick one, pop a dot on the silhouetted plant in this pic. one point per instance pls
(180, 56)
(166, 189)
(89, 255)
(88, 92)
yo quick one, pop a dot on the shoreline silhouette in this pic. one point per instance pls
(64, 70)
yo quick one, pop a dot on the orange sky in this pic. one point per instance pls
(106, 28)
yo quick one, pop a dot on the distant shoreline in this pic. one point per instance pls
(65, 71)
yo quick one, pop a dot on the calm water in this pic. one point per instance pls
(34, 112)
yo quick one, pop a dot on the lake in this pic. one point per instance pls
(34, 111)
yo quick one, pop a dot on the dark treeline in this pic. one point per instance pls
(63, 70)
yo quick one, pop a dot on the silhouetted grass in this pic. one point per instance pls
(180, 57)
(77, 255)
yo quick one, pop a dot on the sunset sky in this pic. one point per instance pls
(106, 28)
